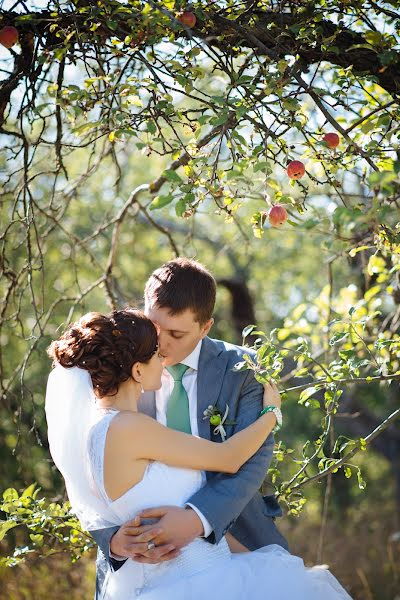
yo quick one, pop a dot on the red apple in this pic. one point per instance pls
(296, 169)
(331, 140)
(187, 18)
(8, 36)
(277, 215)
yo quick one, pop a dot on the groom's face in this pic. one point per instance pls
(178, 334)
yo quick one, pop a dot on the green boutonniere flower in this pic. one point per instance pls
(217, 420)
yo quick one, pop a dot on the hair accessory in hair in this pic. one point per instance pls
(116, 332)
(84, 362)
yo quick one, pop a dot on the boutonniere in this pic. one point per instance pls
(217, 420)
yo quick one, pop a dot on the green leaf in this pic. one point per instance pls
(247, 330)
(361, 483)
(371, 292)
(85, 127)
(10, 494)
(338, 337)
(160, 201)
(373, 37)
(380, 178)
(180, 207)
(262, 166)
(6, 526)
(37, 538)
(307, 393)
(348, 472)
(219, 120)
(376, 264)
(334, 321)
(359, 46)
(329, 397)
(134, 100)
(151, 127)
(30, 491)
(172, 175)
(347, 446)
(308, 224)
(203, 119)
(355, 251)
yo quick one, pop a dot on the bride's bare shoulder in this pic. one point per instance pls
(128, 422)
(127, 432)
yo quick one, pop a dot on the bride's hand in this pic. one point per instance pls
(271, 396)
(131, 539)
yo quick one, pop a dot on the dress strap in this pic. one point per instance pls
(96, 448)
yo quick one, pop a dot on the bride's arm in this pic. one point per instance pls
(144, 438)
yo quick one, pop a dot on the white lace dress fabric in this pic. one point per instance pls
(202, 571)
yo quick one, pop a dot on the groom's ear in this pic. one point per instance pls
(206, 327)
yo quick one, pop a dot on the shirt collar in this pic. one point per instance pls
(192, 360)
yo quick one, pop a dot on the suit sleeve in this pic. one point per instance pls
(225, 496)
(102, 537)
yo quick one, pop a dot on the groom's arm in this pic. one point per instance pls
(102, 537)
(225, 496)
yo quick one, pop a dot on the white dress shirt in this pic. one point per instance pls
(189, 382)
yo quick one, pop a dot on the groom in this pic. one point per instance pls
(180, 298)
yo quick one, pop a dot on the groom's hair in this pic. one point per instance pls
(182, 284)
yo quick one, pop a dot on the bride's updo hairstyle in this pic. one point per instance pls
(107, 346)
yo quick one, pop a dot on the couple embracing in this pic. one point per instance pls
(170, 494)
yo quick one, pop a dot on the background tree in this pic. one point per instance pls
(135, 131)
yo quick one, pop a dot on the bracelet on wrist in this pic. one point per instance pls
(277, 413)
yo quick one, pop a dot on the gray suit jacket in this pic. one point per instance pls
(247, 514)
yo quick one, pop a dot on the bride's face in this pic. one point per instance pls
(151, 373)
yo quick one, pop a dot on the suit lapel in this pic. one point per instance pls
(212, 366)
(147, 404)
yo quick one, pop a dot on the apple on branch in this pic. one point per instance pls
(332, 140)
(187, 18)
(295, 169)
(8, 36)
(277, 215)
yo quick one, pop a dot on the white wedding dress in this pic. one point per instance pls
(202, 571)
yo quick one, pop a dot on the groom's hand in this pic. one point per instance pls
(131, 540)
(179, 526)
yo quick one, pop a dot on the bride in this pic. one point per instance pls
(117, 462)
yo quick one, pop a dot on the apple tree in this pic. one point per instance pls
(233, 123)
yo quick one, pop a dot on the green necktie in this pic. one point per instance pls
(178, 416)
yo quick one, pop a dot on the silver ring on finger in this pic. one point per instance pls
(150, 545)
